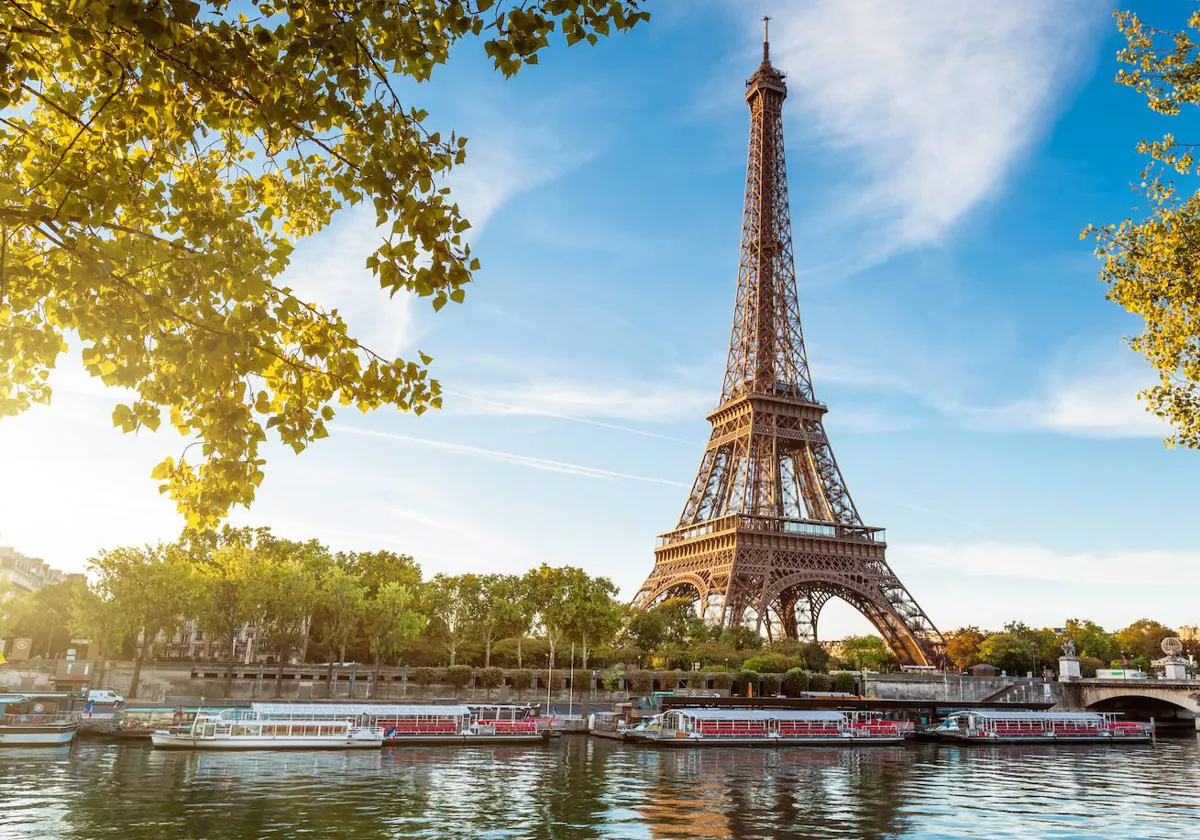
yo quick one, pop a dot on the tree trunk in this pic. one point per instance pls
(137, 668)
(519, 651)
(329, 682)
(453, 652)
(230, 661)
(279, 673)
(487, 652)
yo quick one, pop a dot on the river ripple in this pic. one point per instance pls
(581, 788)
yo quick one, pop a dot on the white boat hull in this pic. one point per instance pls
(36, 736)
(167, 741)
(768, 741)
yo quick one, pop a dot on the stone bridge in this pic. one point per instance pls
(1171, 699)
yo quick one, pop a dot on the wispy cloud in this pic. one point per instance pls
(592, 401)
(932, 103)
(515, 147)
(546, 464)
(482, 405)
(1091, 402)
(1033, 562)
(511, 151)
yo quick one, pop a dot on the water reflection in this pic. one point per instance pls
(601, 789)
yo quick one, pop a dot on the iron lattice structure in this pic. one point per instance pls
(769, 533)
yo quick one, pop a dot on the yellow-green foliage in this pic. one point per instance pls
(158, 161)
(1152, 264)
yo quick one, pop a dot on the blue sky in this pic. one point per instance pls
(942, 162)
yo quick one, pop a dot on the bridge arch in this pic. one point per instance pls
(1144, 700)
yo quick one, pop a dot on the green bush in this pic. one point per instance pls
(746, 679)
(820, 682)
(578, 680)
(695, 679)
(844, 682)
(770, 662)
(668, 680)
(1088, 666)
(770, 684)
(490, 678)
(611, 678)
(640, 681)
(795, 682)
(459, 676)
(522, 680)
(424, 676)
(722, 680)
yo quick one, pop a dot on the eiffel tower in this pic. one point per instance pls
(769, 533)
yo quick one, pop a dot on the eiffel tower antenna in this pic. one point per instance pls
(769, 533)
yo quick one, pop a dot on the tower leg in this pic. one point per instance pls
(808, 609)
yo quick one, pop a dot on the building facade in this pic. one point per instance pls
(19, 573)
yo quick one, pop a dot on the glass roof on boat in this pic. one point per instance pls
(758, 714)
(999, 714)
(340, 710)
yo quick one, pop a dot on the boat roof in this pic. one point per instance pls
(356, 709)
(500, 705)
(5, 699)
(758, 714)
(1001, 714)
(172, 709)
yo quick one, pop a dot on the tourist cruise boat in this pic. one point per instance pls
(769, 727)
(238, 730)
(994, 726)
(33, 720)
(423, 723)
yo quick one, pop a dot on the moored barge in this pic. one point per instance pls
(994, 726)
(402, 724)
(140, 722)
(31, 720)
(242, 731)
(692, 727)
(611, 725)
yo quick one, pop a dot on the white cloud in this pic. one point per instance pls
(931, 102)
(1099, 406)
(1037, 563)
(1096, 402)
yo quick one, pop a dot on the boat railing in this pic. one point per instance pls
(506, 727)
(40, 718)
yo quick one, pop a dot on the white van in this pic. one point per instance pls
(105, 696)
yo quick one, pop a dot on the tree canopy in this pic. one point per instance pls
(1152, 264)
(158, 162)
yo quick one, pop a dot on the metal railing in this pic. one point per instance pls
(748, 522)
(39, 719)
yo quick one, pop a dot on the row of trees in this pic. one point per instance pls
(301, 601)
(1019, 648)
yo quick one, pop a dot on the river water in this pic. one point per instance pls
(581, 788)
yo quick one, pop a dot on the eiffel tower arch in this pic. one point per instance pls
(769, 533)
